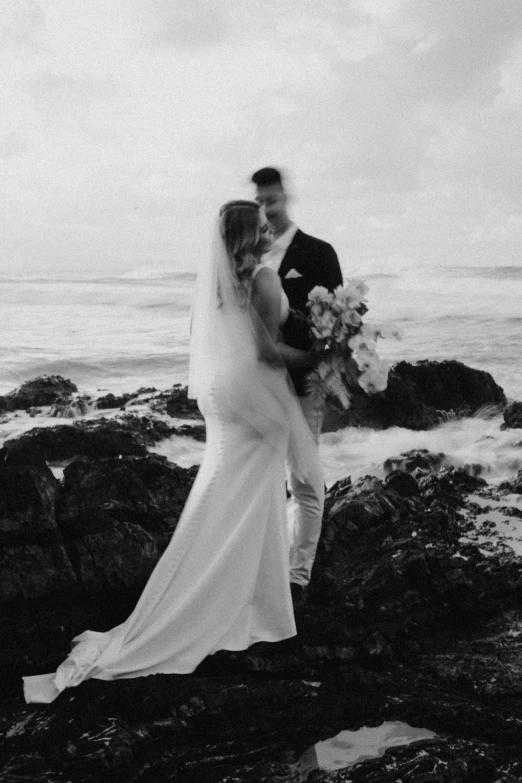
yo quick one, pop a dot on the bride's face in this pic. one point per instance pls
(265, 233)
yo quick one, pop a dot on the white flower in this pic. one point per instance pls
(340, 332)
(360, 286)
(317, 309)
(353, 293)
(394, 333)
(348, 296)
(384, 331)
(323, 325)
(351, 318)
(373, 383)
(360, 344)
(338, 306)
(374, 377)
(337, 326)
(370, 332)
(319, 294)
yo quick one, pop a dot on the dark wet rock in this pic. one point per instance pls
(196, 431)
(515, 485)
(402, 482)
(451, 385)
(450, 485)
(406, 618)
(176, 403)
(77, 555)
(33, 559)
(108, 401)
(145, 492)
(127, 436)
(512, 416)
(420, 396)
(415, 459)
(390, 566)
(101, 516)
(46, 390)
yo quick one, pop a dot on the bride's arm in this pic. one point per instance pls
(266, 300)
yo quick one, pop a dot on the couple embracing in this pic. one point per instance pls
(232, 567)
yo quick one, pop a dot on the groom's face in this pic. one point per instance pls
(273, 198)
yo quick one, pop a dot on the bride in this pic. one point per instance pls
(223, 581)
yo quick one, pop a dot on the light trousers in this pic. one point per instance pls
(306, 504)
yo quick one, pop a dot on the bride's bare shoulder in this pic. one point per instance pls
(265, 278)
(266, 291)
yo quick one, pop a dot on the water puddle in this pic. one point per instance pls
(349, 747)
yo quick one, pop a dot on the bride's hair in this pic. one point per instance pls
(239, 227)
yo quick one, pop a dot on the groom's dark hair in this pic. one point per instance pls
(268, 176)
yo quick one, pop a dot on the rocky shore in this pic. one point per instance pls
(413, 614)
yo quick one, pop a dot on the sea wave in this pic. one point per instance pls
(151, 273)
(115, 374)
(380, 275)
(179, 303)
(489, 272)
(136, 276)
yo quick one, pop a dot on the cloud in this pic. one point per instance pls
(471, 40)
(58, 92)
(397, 119)
(76, 109)
(11, 145)
(427, 100)
(20, 22)
(200, 23)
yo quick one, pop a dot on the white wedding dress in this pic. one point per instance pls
(223, 581)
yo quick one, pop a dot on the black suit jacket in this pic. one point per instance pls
(317, 264)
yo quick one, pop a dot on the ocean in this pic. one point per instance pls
(123, 333)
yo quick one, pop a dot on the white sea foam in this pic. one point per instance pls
(464, 442)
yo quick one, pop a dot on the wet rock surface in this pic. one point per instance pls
(71, 551)
(420, 396)
(513, 416)
(421, 459)
(513, 486)
(406, 618)
(413, 614)
(176, 403)
(46, 390)
(129, 435)
(33, 560)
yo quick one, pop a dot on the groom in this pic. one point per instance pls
(302, 262)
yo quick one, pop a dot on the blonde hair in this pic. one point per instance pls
(239, 226)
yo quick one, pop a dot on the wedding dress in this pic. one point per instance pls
(223, 581)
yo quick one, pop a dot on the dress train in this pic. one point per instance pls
(223, 581)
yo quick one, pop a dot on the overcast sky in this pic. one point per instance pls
(124, 124)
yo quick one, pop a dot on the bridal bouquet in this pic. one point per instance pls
(348, 345)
